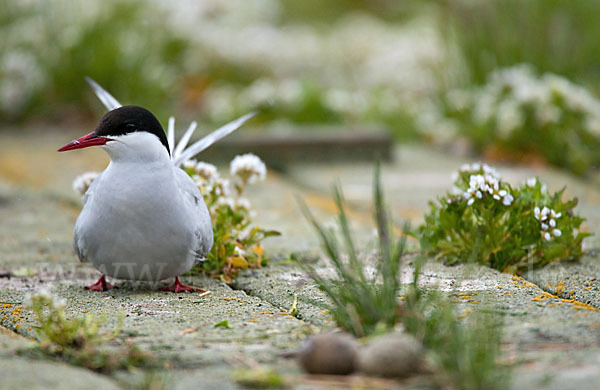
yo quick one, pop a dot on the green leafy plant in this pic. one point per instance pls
(360, 304)
(79, 340)
(237, 243)
(517, 114)
(487, 221)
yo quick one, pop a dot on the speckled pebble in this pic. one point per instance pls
(329, 353)
(394, 355)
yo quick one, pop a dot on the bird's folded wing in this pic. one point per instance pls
(203, 228)
(79, 251)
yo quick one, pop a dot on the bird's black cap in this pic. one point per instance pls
(129, 119)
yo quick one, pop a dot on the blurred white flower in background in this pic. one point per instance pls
(83, 182)
(207, 171)
(248, 168)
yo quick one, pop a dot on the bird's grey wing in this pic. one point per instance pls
(203, 233)
(79, 250)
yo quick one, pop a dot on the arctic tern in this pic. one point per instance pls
(143, 218)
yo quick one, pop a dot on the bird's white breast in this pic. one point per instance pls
(138, 224)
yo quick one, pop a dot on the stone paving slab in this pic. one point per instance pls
(556, 338)
(20, 373)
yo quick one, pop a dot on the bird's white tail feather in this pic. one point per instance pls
(185, 139)
(211, 138)
(171, 135)
(106, 98)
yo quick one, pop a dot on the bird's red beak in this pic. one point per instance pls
(85, 141)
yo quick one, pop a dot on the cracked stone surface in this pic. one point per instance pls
(551, 317)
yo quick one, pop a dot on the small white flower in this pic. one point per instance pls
(552, 223)
(544, 226)
(531, 182)
(189, 164)
(479, 195)
(547, 236)
(248, 167)
(239, 252)
(226, 201)
(544, 189)
(83, 182)
(243, 203)
(556, 232)
(554, 214)
(470, 202)
(207, 171)
(541, 215)
(507, 200)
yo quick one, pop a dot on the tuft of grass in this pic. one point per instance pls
(359, 303)
(464, 353)
(79, 341)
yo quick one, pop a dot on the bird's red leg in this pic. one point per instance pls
(100, 285)
(178, 287)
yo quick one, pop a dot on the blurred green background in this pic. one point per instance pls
(416, 68)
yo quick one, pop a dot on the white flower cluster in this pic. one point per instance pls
(486, 184)
(218, 191)
(83, 182)
(511, 92)
(532, 181)
(248, 168)
(476, 167)
(46, 298)
(547, 218)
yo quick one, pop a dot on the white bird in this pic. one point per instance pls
(143, 218)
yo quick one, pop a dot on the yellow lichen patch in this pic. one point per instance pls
(6, 305)
(588, 288)
(499, 286)
(229, 299)
(465, 297)
(560, 288)
(85, 311)
(548, 295)
(474, 302)
(509, 294)
(465, 313)
(539, 298)
(519, 282)
(580, 305)
(594, 326)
